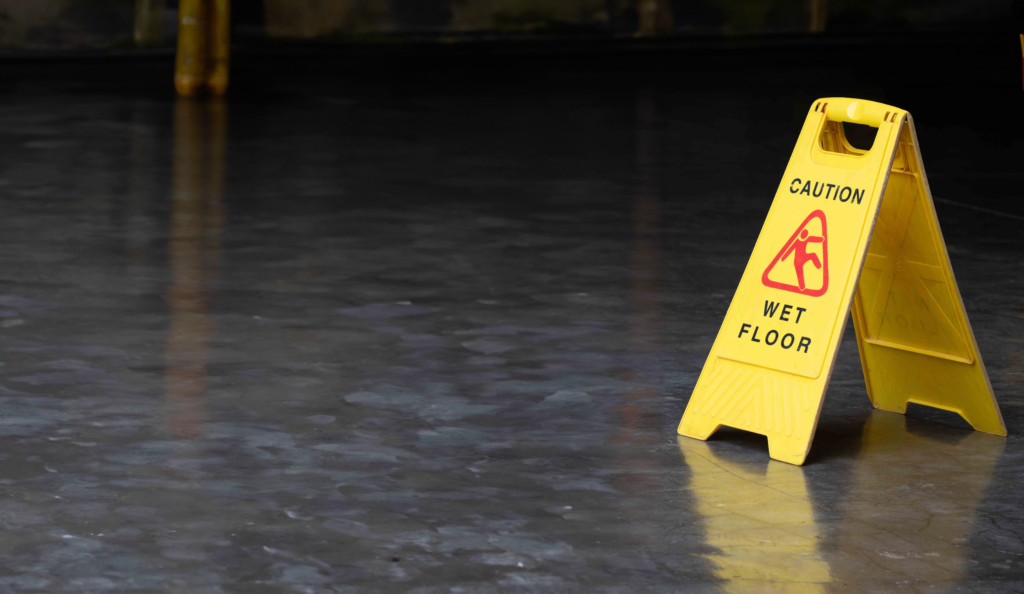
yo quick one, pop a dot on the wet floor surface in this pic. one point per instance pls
(379, 338)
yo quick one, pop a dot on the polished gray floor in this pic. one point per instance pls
(388, 337)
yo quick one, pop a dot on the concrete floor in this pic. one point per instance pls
(390, 336)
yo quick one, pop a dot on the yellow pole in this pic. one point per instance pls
(190, 68)
(655, 16)
(819, 15)
(148, 28)
(220, 47)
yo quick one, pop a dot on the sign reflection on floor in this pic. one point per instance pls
(905, 512)
(760, 518)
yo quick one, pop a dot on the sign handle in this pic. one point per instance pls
(857, 111)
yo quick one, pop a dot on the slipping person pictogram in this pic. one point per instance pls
(800, 256)
(796, 247)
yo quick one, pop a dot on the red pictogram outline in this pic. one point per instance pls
(793, 239)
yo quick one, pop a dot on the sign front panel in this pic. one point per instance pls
(769, 366)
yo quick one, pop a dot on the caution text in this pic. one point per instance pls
(826, 191)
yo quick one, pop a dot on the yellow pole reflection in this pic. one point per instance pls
(760, 519)
(645, 314)
(645, 266)
(912, 503)
(645, 261)
(644, 274)
(197, 218)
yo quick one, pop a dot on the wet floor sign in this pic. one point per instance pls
(848, 227)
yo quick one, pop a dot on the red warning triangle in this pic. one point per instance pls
(804, 268)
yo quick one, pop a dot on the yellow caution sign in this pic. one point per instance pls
(839, 215)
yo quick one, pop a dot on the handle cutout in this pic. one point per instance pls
(847, 138)
(860, 136)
